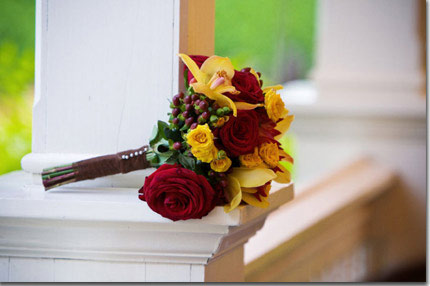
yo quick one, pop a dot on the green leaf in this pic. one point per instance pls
(158, 133)
(186, 79)
(173, 134)
(152, 157)
(187, 162)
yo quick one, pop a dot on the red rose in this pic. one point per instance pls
(199, 61)
(178, 193)
(249, 87)
(240, 134)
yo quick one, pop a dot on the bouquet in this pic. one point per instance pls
(219, 147)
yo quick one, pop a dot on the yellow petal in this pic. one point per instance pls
(252, 177)
(215, 64)
(249, 190)
(255, 74)
(253, 201)
(233, 194)
(275, 87)
(222, 100)
(286, 156)
(192, 66)
(225, 88)
(247, 106)
(283, 177)
(284, 125)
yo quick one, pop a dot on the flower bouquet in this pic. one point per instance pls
(219, 147)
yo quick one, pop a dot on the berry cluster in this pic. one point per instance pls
(190, 110)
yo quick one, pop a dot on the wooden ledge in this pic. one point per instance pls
(328, 210)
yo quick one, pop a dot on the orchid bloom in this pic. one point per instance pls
(213, 79)
(242, 183)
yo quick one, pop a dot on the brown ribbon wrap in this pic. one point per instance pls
(120, 163)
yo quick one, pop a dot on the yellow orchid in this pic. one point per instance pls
(242, 182)
(213, 79)
(249, 197)
(283, 126)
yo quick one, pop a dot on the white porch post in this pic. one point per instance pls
(104, 72)
(370, 51)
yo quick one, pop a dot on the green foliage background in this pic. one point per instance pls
(16, 79)
(276, 37)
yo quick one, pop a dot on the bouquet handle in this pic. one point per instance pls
(119, 163)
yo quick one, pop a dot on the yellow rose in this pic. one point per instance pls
(269, 152)
(202, 144)
(204, 156)
(250, 160)
(221, 163)
(275, 107)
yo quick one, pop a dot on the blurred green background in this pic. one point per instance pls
(276, 37)
(16, 80)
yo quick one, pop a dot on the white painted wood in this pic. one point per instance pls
(98, 271)
(31, 270)
(168, 272)
(197, 273)
(109, 64)
(4, 269)
(104, 73)
(368, 47)
(102, 225)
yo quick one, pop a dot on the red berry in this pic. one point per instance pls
(176, 100)
(177, 145)
(187, 99)
(186, 114)
(175, 121)
(197, 102)
(206, 115)
(194, 97)
(176, 111)
(203, 105)
(189, 107)
(181, 95)
(211, 173)
(221, 175)
(215, 106)
(189, 121)
(194, 125)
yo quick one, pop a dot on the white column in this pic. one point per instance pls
(104, 73)
(369, 50)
